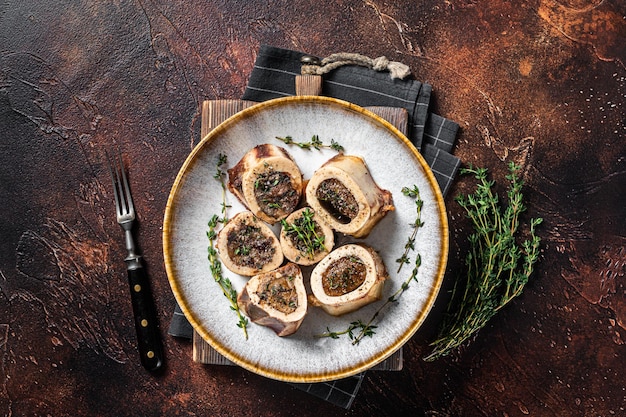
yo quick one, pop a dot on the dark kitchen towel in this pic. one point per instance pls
(180, 326)
(273, 76)
(274, 73)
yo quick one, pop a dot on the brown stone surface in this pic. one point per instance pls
(542, 83)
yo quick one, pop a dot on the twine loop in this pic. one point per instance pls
(313, 66)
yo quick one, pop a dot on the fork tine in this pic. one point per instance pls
(124, 183)
(114, 179)
(118, 183)
(121, 188)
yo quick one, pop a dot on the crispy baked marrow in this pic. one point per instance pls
(348, 278)
(247, 246)
(276, 299)
(268, 182)
(343, 193)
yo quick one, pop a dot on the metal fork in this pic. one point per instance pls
(146, 325)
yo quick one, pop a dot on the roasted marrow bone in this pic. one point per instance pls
(343, 193)
(348, 278)
(247, 246)
(267, 181)
(304, 239)
(276, 299)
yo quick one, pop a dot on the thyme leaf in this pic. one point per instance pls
(368, 329)
(214, 261)
(314, 143)
(498, 267)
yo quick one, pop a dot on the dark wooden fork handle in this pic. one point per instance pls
(146, 324)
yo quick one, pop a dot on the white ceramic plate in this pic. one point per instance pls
(393, 163)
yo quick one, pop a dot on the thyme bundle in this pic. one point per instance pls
(314, 143)
(498, 267)
(215, 265)
(368, 329)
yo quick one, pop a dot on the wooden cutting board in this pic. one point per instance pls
(215, 112)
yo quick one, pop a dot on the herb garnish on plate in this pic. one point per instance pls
(215, 265)
(314, 143)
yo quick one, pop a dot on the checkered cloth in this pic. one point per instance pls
(274, 75)
(341, 392)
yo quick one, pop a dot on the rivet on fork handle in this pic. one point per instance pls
(146, 326)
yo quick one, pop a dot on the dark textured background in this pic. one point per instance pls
(541, 83)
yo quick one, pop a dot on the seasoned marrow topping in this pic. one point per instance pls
(275, 193)
(337, 200)
(344, 275)
(305, 234)
(278, 293)
(268, 182)
(276, 299)
(248, 246)
(298, 241)
(305, 240)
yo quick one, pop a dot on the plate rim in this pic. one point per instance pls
(316, 376)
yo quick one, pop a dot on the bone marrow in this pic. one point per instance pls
(268, 182)
(343, 275)
(337, 200)
(247, 246)
(346, 197)
(347, 279)
(276, 299)
(304, 239)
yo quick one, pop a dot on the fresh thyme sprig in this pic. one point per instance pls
(497, 267)
(215, 265)
(314, 143)
(222, 160)
(368, 329)
(410, 243)
(303, 229)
